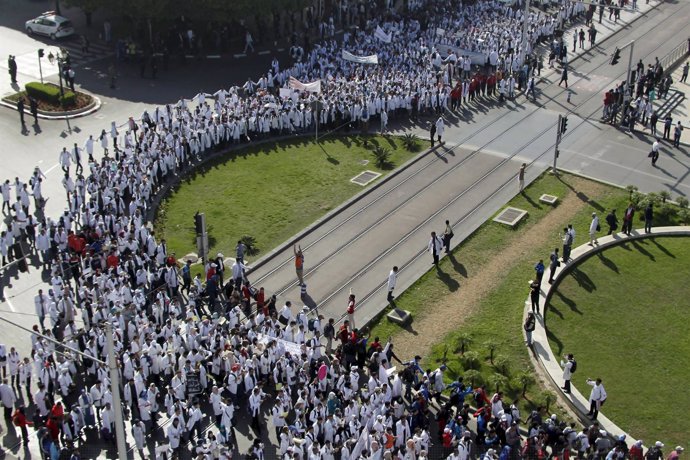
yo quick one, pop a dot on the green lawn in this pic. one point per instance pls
(270, 191)
(624, 314)
(498, 318)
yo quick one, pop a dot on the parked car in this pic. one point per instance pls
(51, 25)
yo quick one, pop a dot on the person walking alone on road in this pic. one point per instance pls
(447, 236)
(299, 263)
(392, 279)
(435, 246)
(12, 69)
(440, 128)
(20, 109)
(594, 227)
(351, 309)
(686, 68)
(564, 77)
(677, 130)
(248, 42)
(654, 154)
(612, 221)
(33, 107)
(521, 176)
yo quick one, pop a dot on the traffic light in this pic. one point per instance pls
(564, 125)
(616, 57)
(40, 53)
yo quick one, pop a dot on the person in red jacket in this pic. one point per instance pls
(636, 451)
(19, 419)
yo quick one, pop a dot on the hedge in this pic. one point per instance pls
(50, 94)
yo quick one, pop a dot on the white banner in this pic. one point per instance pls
(313, 87)
(477, 58)
(373, 59)
(382, 35)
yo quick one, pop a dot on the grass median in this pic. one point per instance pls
(622, 314)
(468, 312)
(271, 191)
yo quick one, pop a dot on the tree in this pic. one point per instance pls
(664, 195)
(382, 155)
(524, 379)
(471, 359)
(491, 345)
(682, 202)
(464, 340)
(548, 398)
(88, 7)
(474, 376)
(631, 189)
(502, 365)
(684, 216)
(498, 381)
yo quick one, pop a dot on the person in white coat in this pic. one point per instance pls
(593, 229)
(597, 397)
(440, 127)
(174, 434)
(7, 397)
(392, 279)
(139, 435)
(435, 246)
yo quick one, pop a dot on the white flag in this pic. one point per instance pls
(382, 35)
(373, 59)
(313, 87)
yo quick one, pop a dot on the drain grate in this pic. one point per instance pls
(510, 216)
(365, 177)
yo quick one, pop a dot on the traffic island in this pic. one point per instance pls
(52, 103)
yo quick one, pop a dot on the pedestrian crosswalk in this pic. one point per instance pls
(28, 63)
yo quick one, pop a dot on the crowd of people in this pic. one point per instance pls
(196, 355)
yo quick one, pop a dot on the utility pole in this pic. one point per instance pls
(523, 44)
(115, 390)
(629, 87)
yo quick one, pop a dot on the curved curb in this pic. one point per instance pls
(88, 110)
(541, 347)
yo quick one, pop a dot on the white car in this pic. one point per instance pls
(50, 24)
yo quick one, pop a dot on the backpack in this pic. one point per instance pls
(310, 324)
(573, 366)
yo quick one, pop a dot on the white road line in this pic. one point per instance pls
(264, 52)
(9, 304)
(51, 168)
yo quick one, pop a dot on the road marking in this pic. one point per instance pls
(239, 55)
(264, 52)
(213, 56)
(9, 304)
(51, 168)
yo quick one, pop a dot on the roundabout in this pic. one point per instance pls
(618, 308)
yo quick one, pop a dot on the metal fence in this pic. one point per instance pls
(678, 53)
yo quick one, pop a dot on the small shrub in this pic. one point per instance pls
(523, 380)
(69, 99)
(664, 195)
(473, 376)
(665, 213)
(491, 345)
(410, 141)
(684, 216)
(463, 341)
(382, 155)
(498, 381)
(470, 360)
(502, 365)
(682, 202)
(250, 242)
(43, 92)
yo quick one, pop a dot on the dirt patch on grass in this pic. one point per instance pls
(449, 314)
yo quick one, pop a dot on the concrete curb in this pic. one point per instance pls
(541, 347)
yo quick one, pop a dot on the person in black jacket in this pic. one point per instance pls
(612, 221)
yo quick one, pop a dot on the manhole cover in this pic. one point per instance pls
(365, 177)
(510, 216)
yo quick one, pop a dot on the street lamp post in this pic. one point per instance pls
(115, 390)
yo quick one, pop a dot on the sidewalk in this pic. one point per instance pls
(541, 346)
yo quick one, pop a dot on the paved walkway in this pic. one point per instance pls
(542, 348)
